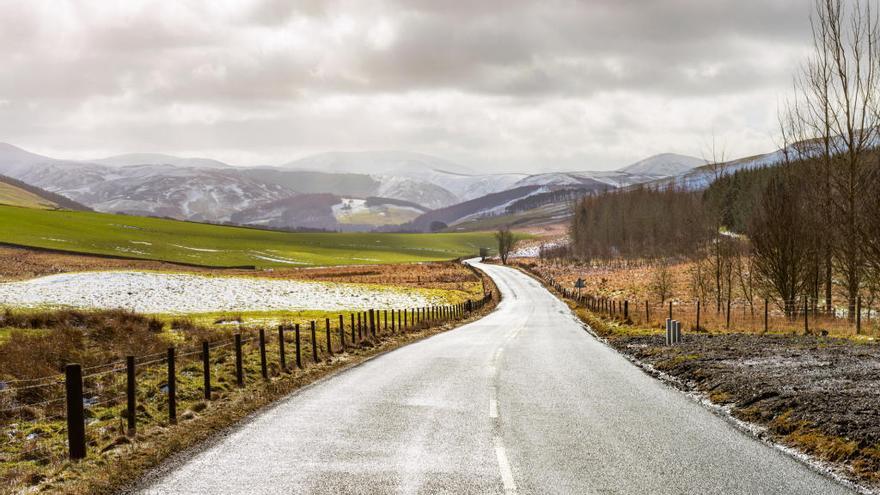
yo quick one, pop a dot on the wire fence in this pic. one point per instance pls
(92, 409)
(802, 316)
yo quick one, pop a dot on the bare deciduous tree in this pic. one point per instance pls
(840, 103)
(661, 282)
(506, 241)
(777, 232)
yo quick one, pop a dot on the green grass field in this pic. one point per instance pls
(210, 245)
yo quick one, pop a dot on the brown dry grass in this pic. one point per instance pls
(632, 283)
(442, 275)
(22, 264)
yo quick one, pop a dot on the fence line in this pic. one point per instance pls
(803, 315)
(90, 400)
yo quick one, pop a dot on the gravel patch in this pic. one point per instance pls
(147, 292)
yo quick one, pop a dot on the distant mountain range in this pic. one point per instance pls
(336, 191)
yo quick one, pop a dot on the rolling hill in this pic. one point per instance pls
(475, 207)
(212, 245)
(664, 165)
(130, 159)
(329, 212)
(17, 193)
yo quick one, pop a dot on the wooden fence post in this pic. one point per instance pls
(314, 343)
(239, 362)
(353, 338)
(697, 328)
(766, 315)
(670, 310)
(264, 368)
(647, 313)
(373, 318)
(206, 369)
(130, 393)
(806, 317)
(298, 344)
(858, 315)
(172, 388)
(76, 424)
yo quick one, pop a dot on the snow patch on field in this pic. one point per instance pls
(533, 250)
(201, 250)
(276, 258)
(148, 292)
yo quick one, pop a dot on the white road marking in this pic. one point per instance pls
(500, 453)
(504, 466)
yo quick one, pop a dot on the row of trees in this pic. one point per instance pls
(816, 225)
(808, 227)
(640, 222)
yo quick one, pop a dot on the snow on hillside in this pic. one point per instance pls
(702, 177)
(15, 161)
(465, 186)
(356, 211)
(423, 193)
(500, 209)
(373, 162)
(664, 165)
(147, 292)
(129, 159)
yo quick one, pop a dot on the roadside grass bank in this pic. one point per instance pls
(819, 395)
(35, 458)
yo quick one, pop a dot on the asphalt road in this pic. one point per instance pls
(522, 401)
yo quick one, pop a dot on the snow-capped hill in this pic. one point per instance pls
(552, 179)
(465, 186)
(702, 177)
(664, 165)
(130, 159)
(373, 162)
(182, 193)
(14, 160)
(414, 191)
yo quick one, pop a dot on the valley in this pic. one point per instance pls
(510, 248)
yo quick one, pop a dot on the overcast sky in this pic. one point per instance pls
(495, 84)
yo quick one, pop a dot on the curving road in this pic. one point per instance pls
(522, 401)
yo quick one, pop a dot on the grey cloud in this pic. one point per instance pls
(277, 75)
